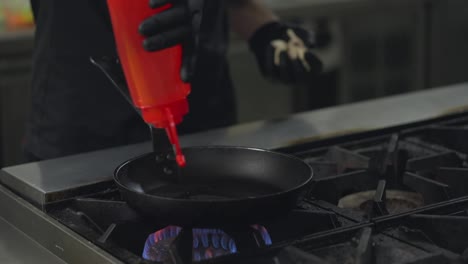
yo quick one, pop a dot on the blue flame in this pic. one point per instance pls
(232, 246)
(196, 242)
(155, 249)
(196, 256)
(215, 241)
(207, 243)
(205, 240)
(264, 233)
(210, 243)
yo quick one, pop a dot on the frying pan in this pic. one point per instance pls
(218, 186)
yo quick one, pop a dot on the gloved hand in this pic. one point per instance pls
(169, 28)
(284, 53)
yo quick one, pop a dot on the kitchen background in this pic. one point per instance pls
(371, 48)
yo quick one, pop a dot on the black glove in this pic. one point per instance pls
(284, 53)
(172, 27)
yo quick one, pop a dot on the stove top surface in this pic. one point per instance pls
(393, 196)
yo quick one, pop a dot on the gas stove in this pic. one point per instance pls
(398, 195)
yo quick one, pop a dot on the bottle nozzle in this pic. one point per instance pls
(171, 131)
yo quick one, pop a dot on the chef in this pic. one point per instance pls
(75, 109)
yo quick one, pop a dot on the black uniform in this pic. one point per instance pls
(76, 109)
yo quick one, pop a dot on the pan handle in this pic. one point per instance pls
(165, 154)
(162, 147)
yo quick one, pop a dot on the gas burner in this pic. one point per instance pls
(397, 201)
(206, 243)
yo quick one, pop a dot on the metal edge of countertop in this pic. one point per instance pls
(46, 181)
(339, 120)
(14, 243)
(34, 226)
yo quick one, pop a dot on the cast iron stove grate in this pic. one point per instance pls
(111, 224)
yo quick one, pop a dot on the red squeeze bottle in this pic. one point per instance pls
(153, 78)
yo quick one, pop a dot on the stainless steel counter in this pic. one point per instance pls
(17, 248)
(356, 117)
(45, 181)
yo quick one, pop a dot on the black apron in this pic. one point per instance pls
(75, 109)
